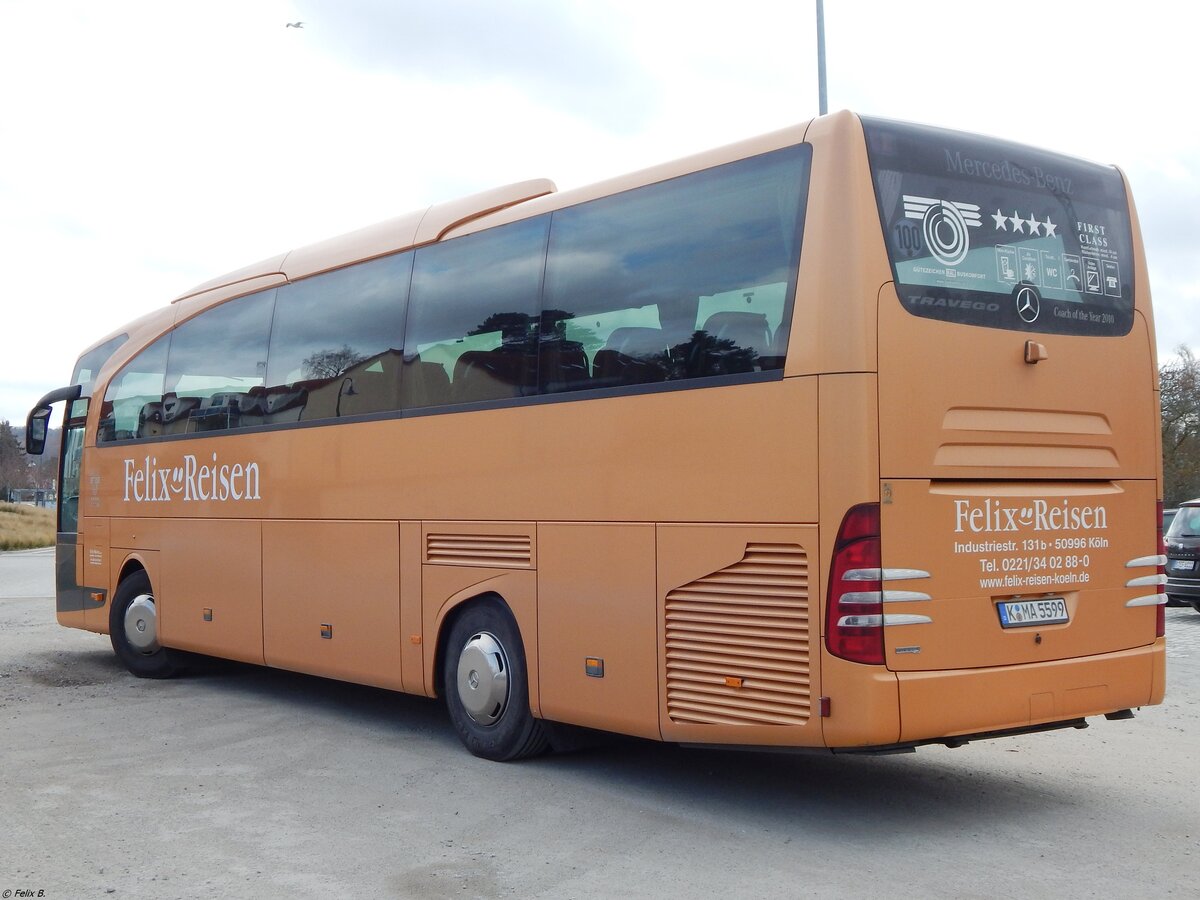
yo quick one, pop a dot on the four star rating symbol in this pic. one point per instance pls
(1019, 224)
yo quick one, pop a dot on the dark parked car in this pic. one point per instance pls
(1183, 555)
(1168, 516)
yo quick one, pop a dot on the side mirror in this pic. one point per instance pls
(36, 428)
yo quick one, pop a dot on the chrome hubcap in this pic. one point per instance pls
(483, 678)
(141, 624)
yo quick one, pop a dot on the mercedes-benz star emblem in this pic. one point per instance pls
(1028, 305)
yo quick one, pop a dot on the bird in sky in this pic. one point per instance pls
(294, 25)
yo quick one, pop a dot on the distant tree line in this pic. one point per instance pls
(13, 471)
(20, 471)
(1180, 383)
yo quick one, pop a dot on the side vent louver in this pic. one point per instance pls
(737, 642)
(503, 550)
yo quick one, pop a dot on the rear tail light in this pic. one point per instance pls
(1160, 611)
(854, 607)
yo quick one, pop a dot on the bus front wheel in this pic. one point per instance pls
(487, 685)
(133, 630)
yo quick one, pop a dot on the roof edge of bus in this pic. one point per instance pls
(133, 326)
(423, 226)
(411, 229)
(270, 266)
(454, 217)
(652, 174)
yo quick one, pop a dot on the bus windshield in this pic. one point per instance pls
(89, 364)
(987, 232)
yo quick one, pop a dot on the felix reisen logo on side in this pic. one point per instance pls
(149, 482)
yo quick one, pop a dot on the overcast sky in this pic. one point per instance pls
(147, 146)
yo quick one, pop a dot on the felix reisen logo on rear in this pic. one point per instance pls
(1039, 515)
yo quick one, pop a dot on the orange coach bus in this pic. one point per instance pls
(842, 437)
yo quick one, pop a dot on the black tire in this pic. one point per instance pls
(1196, 605)
(489, 703)
(145, 658)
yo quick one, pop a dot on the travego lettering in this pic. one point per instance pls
(954, 303)
(151, 483)
(1040, 515)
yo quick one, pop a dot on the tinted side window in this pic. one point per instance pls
(134, 397)
(335, 343)
(216, 365)
(471, 332)
(687, 278)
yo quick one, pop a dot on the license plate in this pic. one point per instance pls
(1023, 613)
(1183, 565)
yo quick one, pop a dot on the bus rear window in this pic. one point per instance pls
(987, 232)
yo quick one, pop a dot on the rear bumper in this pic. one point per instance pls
(1185, 589)
(936, 705)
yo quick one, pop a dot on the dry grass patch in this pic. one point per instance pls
(25, 527)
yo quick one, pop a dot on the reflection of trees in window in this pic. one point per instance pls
(513, 327)
(554, 328)
(324, 364)
(705, 355)
(554, 322)
(588, 338)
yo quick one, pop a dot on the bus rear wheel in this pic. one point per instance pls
(487, 686)
(133, 630)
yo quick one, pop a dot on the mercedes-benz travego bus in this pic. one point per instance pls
(840, 437)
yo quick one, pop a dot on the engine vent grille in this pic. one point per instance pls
(503, 550)
(737, 642)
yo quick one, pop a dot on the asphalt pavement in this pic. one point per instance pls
(27, 574)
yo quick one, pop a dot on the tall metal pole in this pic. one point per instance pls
(824, 103)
